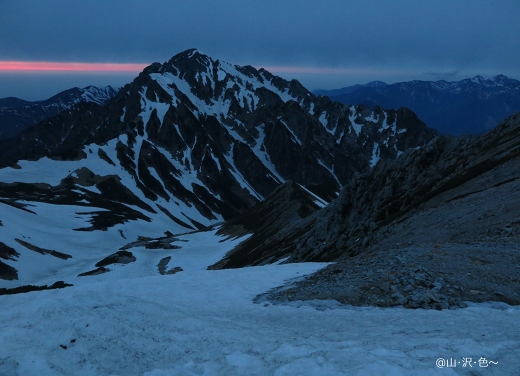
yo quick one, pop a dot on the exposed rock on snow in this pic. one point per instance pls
(120, 257)
(164, 263)
(7, 272)
(28, 288)
(43, 251)
(97, 271)
(8, 253)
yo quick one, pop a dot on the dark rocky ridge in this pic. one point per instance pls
(43, 251)
(438, 226)
(120, 257)
(29, 288)
(447, 169)
(8, 253)
(285, 205)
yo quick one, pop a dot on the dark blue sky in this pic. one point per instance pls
(344, 42)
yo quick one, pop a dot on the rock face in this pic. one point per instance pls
(202, 140)
(17, 114)
(285, 205)
(473, 105)
(440, 174)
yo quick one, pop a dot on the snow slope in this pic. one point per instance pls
(53, 227)
(203, 322)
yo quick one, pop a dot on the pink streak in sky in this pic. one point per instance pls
(41, 66)
(44, 66)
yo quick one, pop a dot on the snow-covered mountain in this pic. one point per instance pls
(473, 105)
(17, 114)
(189, 143)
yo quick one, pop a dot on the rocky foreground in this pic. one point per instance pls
(430, 276)
(444, 230)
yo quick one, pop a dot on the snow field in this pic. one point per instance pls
(52, 228)
(203, 322)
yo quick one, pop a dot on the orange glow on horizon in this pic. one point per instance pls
(46, 66)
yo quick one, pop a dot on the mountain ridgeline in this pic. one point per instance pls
(474, 105)
(201, 140)
(17, 114)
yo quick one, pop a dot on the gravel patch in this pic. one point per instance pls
(430, 276)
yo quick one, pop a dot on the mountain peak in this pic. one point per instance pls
(192, 58)
(376, 84)
(478, 79)
(219, 137)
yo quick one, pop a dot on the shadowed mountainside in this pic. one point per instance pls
(439, 175)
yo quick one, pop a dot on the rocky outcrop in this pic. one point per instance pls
(8, 253)
(29, 288)
(444, 171)
(120, 257)
(164, 263)
(437, 227)
(43, 251)
(7, 272)
(288, 203)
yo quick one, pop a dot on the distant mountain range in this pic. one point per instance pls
(17, 114)
(472, 105)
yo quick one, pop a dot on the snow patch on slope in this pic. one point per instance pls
(263, 156)
(376, 152)
(352, 118)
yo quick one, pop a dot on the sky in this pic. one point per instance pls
(327, 44)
